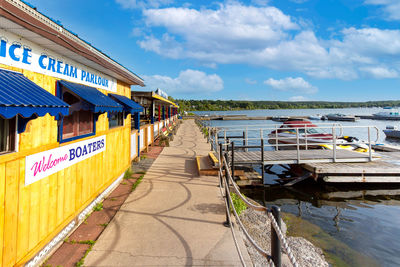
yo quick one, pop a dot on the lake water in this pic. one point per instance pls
(360, 225)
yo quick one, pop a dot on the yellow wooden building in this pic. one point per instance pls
(66, 136)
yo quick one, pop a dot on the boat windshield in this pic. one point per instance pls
(315, 131)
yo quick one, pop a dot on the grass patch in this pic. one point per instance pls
(137, 182)
(238, 203)
(141, 172)
(113, 199)
(143, 157)
(336, 252)
(87, 242)
(98, 207)
(128, 173)
(104, 224)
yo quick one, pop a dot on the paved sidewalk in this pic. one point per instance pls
(173, 217)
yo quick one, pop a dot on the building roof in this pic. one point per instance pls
(24, 20)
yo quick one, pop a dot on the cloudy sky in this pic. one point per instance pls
(330, 50)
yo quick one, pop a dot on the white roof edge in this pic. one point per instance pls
(34, 13)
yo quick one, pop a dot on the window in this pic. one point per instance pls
(79, 122)
(7, 135)
(115, 119)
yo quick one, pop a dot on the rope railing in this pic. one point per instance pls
(224, 168)
(273, 260)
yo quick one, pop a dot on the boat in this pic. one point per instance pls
(392, 132)
(314, 117)
(311, 137)
(341, 117)
(280, 118)
(390, 114)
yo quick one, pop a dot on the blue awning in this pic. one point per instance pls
(99, 101)
(130, 106)
(20, 96)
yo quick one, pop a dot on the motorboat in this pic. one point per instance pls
(311, 137)
(341, 117)
(392, 132)
(280, 118)
(390, 114)
(314, 117)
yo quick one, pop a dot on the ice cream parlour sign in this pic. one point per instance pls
(21, 53)
(43, 164)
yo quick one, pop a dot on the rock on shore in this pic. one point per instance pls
(258, 226)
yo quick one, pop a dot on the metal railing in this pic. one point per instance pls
(277, 238)
(298, 138)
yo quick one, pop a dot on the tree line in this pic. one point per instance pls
(214, 105)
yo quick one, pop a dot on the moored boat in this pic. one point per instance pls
(310, 136)
(341, 117)
(390, 114)
(392, 132)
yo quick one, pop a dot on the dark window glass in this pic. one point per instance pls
(115, 119)
(79, 121)
(7, 135)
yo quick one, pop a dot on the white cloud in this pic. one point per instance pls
(380, 72)
(298, 98)
(391, 8)
(132, 4)
(264, 36)
(189, 82)
(292, 84)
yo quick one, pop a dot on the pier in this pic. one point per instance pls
(330, 165)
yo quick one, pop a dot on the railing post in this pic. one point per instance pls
(369, 144)
(262, 159)
(275, 242)
(232, 160)
(334, 143)
(247, 139)
(216, 140)
(226, 223)
(244, 140)
(298, 145)
(276, 138)
(221, 165)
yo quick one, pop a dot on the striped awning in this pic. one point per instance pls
(130, 106)
(99, 102)
(20, 96)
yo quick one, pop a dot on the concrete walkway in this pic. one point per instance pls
(173, 217)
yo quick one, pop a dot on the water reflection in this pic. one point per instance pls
(365, 218)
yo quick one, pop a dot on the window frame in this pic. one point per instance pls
(16, 138)
(60, 93)
(109, 114)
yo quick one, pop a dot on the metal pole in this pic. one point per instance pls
(221, 165)
(276, 138)
(226, 223)
(334, 143)
(262, 159)
(275, 242)
(247, 139)
(298, 145)
(233, 158)
(305, 133)
(369, 144)
(244, 140)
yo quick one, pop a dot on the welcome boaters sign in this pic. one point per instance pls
(43, 164)
(20, 53)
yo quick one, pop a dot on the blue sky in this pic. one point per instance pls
(329, 50)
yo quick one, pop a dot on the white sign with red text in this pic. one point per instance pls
(43, 164)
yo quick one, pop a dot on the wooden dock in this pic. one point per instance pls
(301, 157)
(384, 170)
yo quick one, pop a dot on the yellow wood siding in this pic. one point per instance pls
(30, 216)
